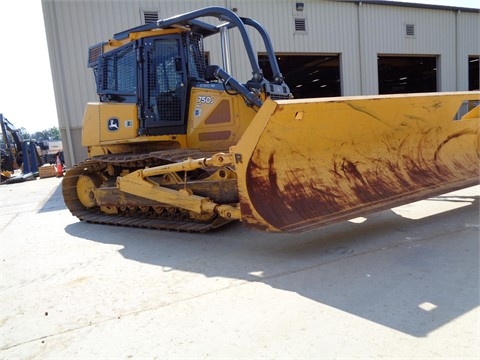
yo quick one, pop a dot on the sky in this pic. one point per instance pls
(26, 90)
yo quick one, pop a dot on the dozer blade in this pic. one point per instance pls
(303, 164)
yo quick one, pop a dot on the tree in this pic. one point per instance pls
(49, 134)
(24, 133)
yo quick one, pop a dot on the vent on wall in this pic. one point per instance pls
(300, 25)
(150, 16)
(409, 30)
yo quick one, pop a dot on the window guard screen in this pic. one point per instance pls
(117, 73)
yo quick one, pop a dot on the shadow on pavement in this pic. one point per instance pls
(409, 275)
(55, 201)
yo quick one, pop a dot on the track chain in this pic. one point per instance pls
(176, 220)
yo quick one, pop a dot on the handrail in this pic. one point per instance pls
(191, 18)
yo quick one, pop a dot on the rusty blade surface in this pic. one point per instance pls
(303, 164)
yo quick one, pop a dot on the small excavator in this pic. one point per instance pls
(176, 144)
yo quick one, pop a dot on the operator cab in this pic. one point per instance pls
(156, 69)
(159, 85)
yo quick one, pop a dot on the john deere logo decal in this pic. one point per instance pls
(113, 124)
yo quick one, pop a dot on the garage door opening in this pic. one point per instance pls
(403, 74)
(307, 76)
(473, 73)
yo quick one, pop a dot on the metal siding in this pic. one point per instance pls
(383, 33)
(332, 28)
(468, 44)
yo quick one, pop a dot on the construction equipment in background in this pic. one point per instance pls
(12, 155)
(50, 149)
(17, 154)
(176, 144)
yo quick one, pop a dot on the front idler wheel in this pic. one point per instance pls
(86, 186)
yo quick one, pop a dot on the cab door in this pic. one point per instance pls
(164, 86)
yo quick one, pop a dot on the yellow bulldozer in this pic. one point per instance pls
(175, 144)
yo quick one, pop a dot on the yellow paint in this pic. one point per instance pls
(90, 126)
(99, 140)
(117, 121)
(227, 126)
(337, 158)
(113, 44)
(97, 117)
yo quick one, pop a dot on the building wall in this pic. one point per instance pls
(467, 44)
(383, 32)
(357, 31)
(332, 28)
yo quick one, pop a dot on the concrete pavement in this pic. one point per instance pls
(402, 283)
